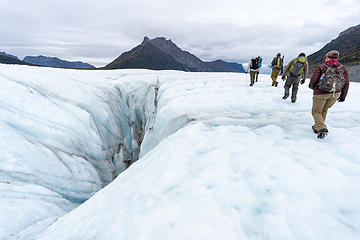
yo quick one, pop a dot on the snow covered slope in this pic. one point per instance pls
(219, 160)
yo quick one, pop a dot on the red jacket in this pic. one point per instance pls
(318, 71)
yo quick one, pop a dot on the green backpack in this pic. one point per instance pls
(298, 67)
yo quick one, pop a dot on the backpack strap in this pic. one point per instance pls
(340, 66)
(325, 65)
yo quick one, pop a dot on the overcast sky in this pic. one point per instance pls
(233, 30)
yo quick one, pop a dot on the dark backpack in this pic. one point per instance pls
(254, 64)
(298, 67)
(332, 80)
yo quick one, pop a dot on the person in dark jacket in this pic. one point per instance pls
(260, 65)
(254, 67)
(277, 66)
(323, 100)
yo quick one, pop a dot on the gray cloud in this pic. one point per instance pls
(233, 30)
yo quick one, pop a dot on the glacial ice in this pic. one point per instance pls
(217, 159)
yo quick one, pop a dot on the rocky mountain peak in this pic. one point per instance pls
(146, 40)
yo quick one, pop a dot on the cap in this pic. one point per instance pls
(333, 54)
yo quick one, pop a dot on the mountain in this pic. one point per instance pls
(348, 44)
(5, 59)
(146, 56)
(179, 55)
(212, 158)
(221, 66)
(55, 62)
(236, 66)
(162, 54)
(9, 55)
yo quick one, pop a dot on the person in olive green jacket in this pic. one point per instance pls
(295, 69)
(277, 66)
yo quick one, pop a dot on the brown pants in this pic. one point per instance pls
(274, 75)
(321, 104)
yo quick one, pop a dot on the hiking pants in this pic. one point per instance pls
(291, 81)
(257, 76)
(274, 75)
(252, 76)
(321, 104)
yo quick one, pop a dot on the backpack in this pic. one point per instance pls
(332, 80)
(254, 64)
(298, 67)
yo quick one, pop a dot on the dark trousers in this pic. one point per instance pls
(291, 81)
(253, 76)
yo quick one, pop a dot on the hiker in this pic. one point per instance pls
(260, 64)
(330, 82)
(277, 66)
(254, 70)
(295, 69)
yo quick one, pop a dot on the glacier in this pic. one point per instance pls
(211, 158)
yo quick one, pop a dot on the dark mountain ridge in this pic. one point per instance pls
(5, 59)
(162, 54)
(348, 44)
(55, 62)
(8, 55)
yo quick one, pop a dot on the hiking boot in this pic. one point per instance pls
(276, 84)
(251, 84)
(293, 100)
(285, 96)
(322, 133)
(315, 131)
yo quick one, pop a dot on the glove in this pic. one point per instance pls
(302, 81)
(341, 99)
(283, 78)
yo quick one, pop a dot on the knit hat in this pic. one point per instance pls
(333, 54)
(279, 54)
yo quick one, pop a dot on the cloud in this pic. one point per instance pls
(99, 31)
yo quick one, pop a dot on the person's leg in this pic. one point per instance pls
(257, 76)
(295, 87)
(287, 87)
(329, 103)
(319, 102)
(274, 76)
(252, 77)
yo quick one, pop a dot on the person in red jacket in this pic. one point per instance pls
(323, 98)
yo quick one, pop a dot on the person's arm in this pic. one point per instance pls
(248, 67)
(315, 77)
(288, 67)
(306, 69)
(345, 89)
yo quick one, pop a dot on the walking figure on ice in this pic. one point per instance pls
(277, 66)
(330, 82)
(254, 66)
(260, 64)
(295, 69)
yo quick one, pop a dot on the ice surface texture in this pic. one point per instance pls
(219, 160)
(63, 136)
